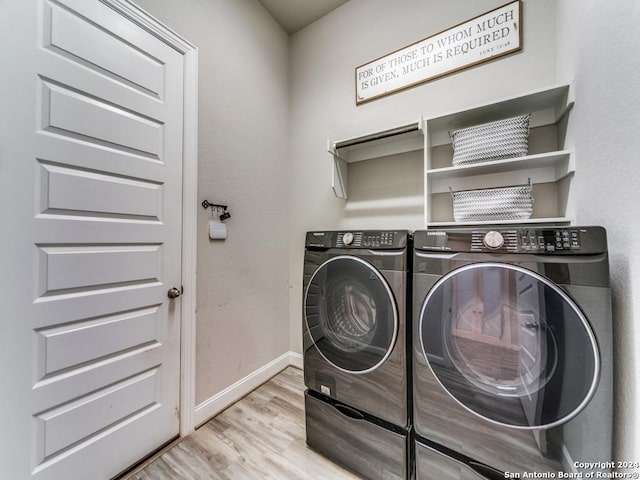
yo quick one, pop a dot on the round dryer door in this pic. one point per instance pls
(351, 314)
(509, 345)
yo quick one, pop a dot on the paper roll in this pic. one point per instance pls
(217, 230)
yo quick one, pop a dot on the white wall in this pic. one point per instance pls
(324, 57)
(242, 294)
(597, 46)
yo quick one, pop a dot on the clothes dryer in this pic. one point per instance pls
(512, 352)
(356, 350)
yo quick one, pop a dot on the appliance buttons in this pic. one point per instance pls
(575, 240)
(347, 238)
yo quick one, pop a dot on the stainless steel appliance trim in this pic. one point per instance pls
(513, 257)
(391, 298)
(386, 254)
(565, 297)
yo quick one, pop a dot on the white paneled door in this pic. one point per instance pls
(91, 189)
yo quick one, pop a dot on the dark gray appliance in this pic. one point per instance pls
(356, 350)
(512, 351)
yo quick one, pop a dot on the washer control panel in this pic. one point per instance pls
(528, 240)
(366, 239)
(543, 240)
(370, 239)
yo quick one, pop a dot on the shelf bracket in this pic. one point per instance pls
(339, 176)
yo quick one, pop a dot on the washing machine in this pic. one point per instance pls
(512, 352)
(355, 349)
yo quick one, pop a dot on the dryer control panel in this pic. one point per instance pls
(543, 240)
(369, 239)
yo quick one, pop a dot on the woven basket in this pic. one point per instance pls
(491, 141)
(493, 204)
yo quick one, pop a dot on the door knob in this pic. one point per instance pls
(173, 292)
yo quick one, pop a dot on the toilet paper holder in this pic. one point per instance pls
(225, 215)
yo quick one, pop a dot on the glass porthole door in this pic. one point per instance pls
(351, 314)
(509, 345)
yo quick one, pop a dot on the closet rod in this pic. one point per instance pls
(378, 136)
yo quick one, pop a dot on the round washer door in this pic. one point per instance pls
(509, 345)
(351, 314)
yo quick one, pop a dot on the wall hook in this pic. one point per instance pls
(225, 215)
(206, 204)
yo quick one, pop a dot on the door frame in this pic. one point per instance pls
(189, 53)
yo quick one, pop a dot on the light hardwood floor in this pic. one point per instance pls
(261, 436)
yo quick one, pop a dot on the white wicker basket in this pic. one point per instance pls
(493, 204)
(498, 140)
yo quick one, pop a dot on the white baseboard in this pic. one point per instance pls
(295, 360)
(567, 461)
(214, 405)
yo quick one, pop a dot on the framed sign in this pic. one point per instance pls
(483, 38)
